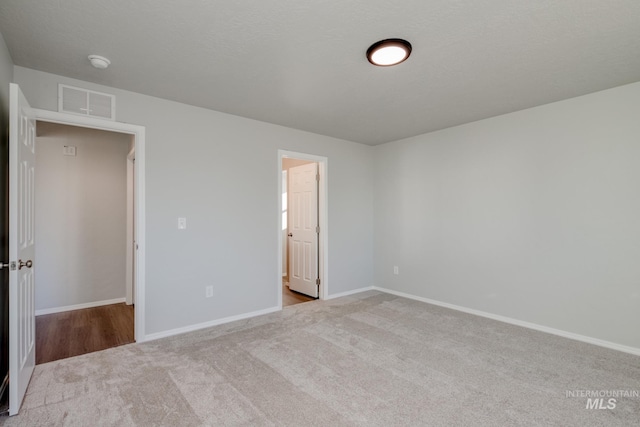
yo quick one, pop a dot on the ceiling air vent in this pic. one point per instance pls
(75, 100)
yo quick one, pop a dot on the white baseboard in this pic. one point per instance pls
(191, 328)
(209, 324)
(79, 306)
(347, 293)
(564, 334)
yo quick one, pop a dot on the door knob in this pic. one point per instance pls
(27, 264)
(290, 234)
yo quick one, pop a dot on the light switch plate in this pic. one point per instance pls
(182, 223)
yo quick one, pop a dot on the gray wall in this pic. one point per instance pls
(231, 207)
(80, 215)
(531, 215)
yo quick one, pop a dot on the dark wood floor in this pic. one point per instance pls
(77, 332)
(72, 333)
(290, 297)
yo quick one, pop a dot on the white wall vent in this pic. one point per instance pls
(75, 100)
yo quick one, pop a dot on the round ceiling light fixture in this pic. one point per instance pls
(99, 62)
(386, 53)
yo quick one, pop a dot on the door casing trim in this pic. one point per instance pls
(138, 133)
(323, 220)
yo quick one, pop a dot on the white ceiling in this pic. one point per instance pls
(302, 64)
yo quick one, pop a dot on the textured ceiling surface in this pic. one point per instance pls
(302, 64)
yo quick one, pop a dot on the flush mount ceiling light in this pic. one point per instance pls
(99, 62)
(389, 52)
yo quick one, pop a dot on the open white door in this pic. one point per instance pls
(303, 229)
(22, 319)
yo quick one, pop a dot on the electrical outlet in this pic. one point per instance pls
(208, 292)
(396, 270)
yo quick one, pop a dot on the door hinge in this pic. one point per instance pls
(12, 265)
(317, 229)
(318, 281)
(318, 177)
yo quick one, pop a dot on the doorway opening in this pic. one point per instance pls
(138, 227)
(21, 237)
(302, 255)
(84, 193)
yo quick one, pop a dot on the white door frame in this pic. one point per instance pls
(323, 220)
(138, 132)
(129, 249)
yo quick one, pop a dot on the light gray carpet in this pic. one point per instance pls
(368, 360)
